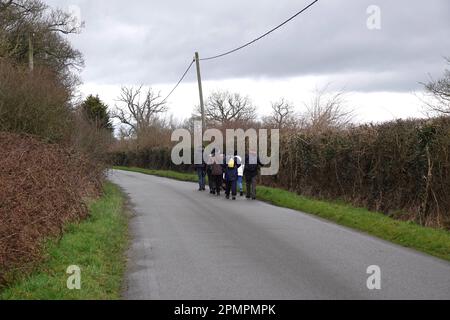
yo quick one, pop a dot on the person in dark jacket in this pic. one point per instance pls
(201, 171)
(231, 176)
(209, 164)
(252, 165)
(217, 172)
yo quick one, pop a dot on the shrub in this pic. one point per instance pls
(401, 168)
(42, 187)
(34, 103)
(151, 158)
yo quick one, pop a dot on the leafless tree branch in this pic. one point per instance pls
(139, 109)
(328, 110)
(438, 93)
(282, 116)
(223, 107)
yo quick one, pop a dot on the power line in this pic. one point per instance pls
(178, 83)
(262, 36)
(238, 48)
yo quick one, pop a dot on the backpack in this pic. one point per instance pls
(216, 169)
(231, 163)
(251, 169)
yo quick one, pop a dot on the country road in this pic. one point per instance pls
(191, 245)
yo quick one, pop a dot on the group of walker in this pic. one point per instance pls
(231, 170)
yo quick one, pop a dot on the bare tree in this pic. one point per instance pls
(438, 92)
(282, 116)
(327, 110)
(32, 31)
(223, 107)
(23, 7)
(139, 109)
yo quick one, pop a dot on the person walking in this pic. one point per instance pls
(240, 174)
(231, 177)
(217, 173)
(209, 164)
(252, 165)
(200, 168)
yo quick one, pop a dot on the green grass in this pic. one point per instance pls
(96, 245)
(162, 173)
(435, 242)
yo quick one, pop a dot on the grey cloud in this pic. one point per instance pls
(152, 41)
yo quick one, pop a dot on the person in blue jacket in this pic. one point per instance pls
(231, 176)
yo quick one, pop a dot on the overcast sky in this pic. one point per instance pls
(151, 42)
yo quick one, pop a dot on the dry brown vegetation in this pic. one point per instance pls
(42, 188)
(34, 103)
(401, 168)
(50, 153)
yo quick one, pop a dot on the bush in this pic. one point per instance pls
(152, 158)
(90, 139)
(34, 103)
(401, 168)
(42, 188)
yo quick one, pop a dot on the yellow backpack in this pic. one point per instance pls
(231, 163)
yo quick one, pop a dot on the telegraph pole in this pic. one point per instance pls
(200, 91)
(30, 52)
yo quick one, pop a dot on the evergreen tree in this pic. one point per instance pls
(97, 112)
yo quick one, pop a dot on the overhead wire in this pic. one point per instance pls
(239, 48)
(262, 36)
(179, 81)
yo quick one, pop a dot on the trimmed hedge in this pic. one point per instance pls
(401, 168)
(155, 158)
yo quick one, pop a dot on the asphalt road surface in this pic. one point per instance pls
(192, 245)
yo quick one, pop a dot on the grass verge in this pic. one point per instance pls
(162, 173)
(435, 242)
(96, 245)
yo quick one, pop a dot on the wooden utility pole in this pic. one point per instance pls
(200, 91)
(30, 51)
